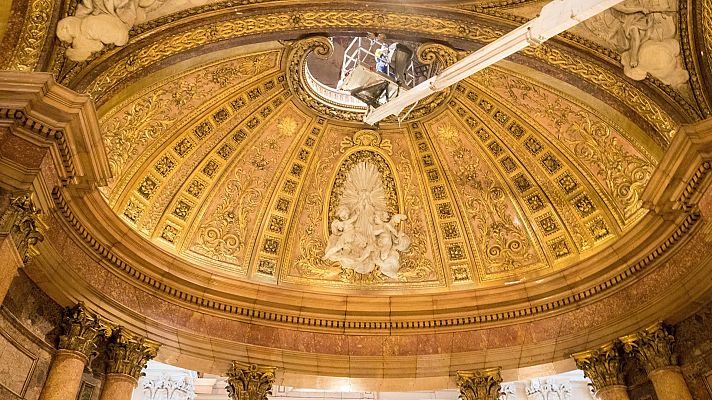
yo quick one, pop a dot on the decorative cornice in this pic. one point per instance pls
(249, 382)
(480, 384)
(128, 353)
(603, 366)
(256, 314)
(21, 119)
(653, 347)
(36, 107)
(82, 331)
(21, 220)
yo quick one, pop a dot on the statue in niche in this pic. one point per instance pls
(644, 32)
(363, 236)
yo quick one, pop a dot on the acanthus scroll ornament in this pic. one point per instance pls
(481, 384)
(249, 382)
(21, 220)
(603, 366)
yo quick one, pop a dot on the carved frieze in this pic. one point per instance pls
(249, 382)
(480, 384)
(128, 353)
(21, 220)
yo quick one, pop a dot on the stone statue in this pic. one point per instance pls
(99, 22)
(644, 32)
(363, 236)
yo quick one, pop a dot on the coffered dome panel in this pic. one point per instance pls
(516, 174)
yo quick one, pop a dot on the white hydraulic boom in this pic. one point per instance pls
(554, 18)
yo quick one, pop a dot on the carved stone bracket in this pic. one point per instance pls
(82, 331)
(21, 220)
(480, 384)
(653, 347)
(128, 353)
(602, 366)
(249, 382)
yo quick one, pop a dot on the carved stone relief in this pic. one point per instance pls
(364, 236)
(546, 389)
(387, 247)
(168, 387)
(103, 22)
(644, 32)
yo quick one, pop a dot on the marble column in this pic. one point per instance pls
(126, 354)
(653, 349)
(18, 235)
(81, 332)
(603, 367)
(249, 382)
(479, 384)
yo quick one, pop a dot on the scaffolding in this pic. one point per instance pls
(362, 50)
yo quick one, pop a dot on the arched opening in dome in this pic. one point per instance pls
(365, 71)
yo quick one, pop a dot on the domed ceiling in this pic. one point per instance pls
(515, 174)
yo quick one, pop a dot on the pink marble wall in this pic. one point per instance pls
(28, 331)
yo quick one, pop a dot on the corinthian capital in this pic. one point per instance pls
(249, 382)
(602, 365)
(81, 330)
(21, 220)
(128, 353)
(479, 384)
(652, 347)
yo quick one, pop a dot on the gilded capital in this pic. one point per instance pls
(479, 384)
(603, 366)
(81, 330)
(21, 220)
(249, 382)
(652, 347)
(128, 353)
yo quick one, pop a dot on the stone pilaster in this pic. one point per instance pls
(653, 347)
(479, 384)
(21, 220)
(126, 354)
(81, 333)
(18, 235)
(603, 367)
(249, 382)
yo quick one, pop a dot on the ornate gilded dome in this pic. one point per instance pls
(517, 174)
